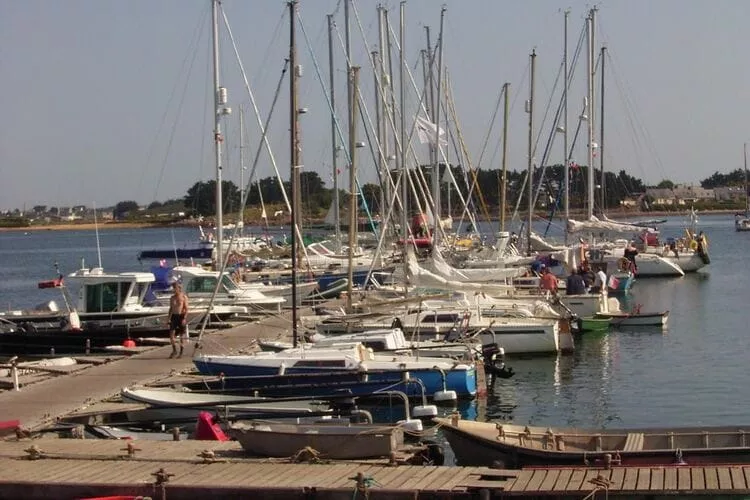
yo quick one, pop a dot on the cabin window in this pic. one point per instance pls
(102, 297)
(316, 363)
(124, 289)
(201, 285)
(440, 318)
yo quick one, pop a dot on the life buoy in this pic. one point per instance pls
(693, 245)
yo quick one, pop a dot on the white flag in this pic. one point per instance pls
(426, 131)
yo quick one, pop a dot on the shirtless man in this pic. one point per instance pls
(178, 307)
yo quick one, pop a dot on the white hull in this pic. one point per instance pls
(524, 340)
(637, 319)
(688, 262)
(649, 265)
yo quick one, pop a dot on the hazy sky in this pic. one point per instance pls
(104, 101)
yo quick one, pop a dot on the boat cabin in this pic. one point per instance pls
(101, 292)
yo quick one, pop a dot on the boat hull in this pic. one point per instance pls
(636, 319)
(309, 381)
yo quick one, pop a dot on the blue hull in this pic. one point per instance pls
(315, 382)
(181, 253)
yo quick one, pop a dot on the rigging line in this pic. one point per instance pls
(192, 49)
(272, 43)
(647, 137)
(441, 152)
(491, 126)
(256, 111)
(344, 142)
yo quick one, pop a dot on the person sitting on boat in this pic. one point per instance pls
(574, 284)
(587, 274)
(548, 282)
(178, 308)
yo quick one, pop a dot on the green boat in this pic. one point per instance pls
(593, 324)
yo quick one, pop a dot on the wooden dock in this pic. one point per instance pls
(42, 402)
(76, 468)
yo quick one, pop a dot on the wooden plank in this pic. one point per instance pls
(697, 479)
(345, 472)
(461, 476)
(562, 480)
(738, 478)
(521, 481)
(576, 479)
(644, 479)
(630, 481)
(670, 479)
(712, 478)
(549, 481)
(746, 473)
(725, 479)
(683, 479)
(536, 480)
(432, 474)
(385, 475)
(409, 473)
(633, 442)
(657, 479)
(586, 484)
(616, 478)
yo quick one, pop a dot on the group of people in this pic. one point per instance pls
(579, 281)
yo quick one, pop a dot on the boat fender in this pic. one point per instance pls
(396, 323)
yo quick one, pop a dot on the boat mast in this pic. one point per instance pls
(353, 111)
(385, 80)
(566, 163)
(240, 220)
(334, 139)
(404, 148)
(590, 122)
(530, 175)
(220, 99)
(436, 112)
(294, 156)
(747, 195)
(504, 179)
(601, 132)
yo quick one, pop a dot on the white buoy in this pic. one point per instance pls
(411, 425)
(445, 396)
(424, 411)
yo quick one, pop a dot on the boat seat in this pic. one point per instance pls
(633, 442)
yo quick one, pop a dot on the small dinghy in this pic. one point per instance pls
(334, 441)
(516, 446)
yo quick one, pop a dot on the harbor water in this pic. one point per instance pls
(689, 374)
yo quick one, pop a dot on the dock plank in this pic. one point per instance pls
(738, 478)
(746, 473)
(683, 479)
(725, 478)
(345, 472)
(586, 484)
(521, 481)
(616, 478)
(454, 480)
(549, 480)
(644, 479)
(657, 479)
(576, 479)
(670, 478)
(536, 480)
(427, 479)
(408, 474)
(562, 480)
(630, 482)
(712, 478)
(697, 478)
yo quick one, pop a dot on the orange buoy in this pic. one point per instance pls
(128, 343)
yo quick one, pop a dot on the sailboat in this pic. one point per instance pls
(742, 223)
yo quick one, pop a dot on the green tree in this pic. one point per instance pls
(40, 209)
(201, 197)
(665, 184)
(123, 208)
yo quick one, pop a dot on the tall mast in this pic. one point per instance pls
(334, 139)
(504, 179)
(293, 155)
(385, 58)
(590, 105)
(747, 195)
(601, 134)
(376, 62)
(404, 148)
(530, 175)
(436, 112)
(353, 110)
(220, 99)
(240, 220)
(566, 163)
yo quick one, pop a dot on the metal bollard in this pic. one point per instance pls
(14, 373)
(51, 351)
(88, 347)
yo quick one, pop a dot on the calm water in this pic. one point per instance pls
(693, 373)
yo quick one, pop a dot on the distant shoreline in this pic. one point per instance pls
(83, 226)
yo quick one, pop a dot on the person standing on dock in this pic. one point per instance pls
(178, 307)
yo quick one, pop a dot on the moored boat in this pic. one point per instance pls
(516, 446)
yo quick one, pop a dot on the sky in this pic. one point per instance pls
(104, 101)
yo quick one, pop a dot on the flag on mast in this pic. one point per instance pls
(426, 132)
